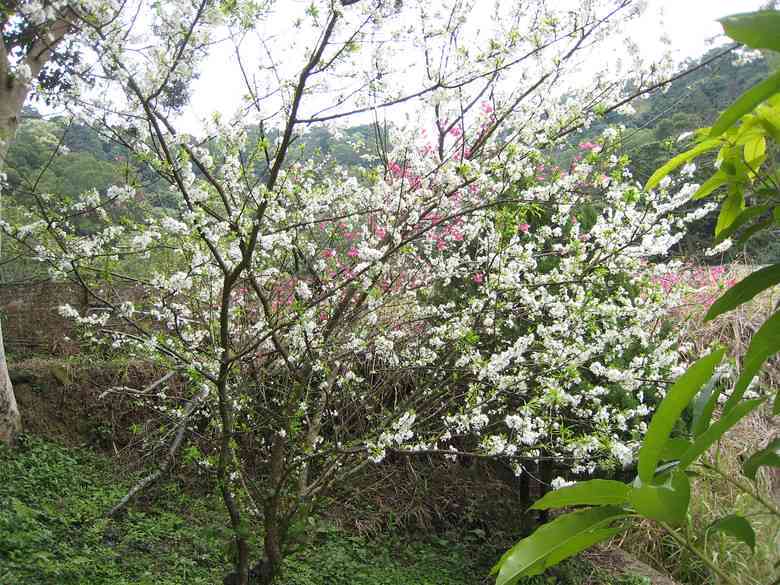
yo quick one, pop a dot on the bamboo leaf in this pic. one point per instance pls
(674, 448)
(742, 219)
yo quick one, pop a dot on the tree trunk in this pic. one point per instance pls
(272, 520)
(12, 97)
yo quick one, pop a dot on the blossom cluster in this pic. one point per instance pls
(467, 293)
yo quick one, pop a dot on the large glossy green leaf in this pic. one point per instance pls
(764, 344)
(730, 209)
(755, 149)
(569, 533)
(668, 412)
(576, 545)
(666, 502)
(674, 448)
(680, 160)
(707, 187)
(770, 119)
(596, 492)
(716, 430)
(745, 290)
(769, 456)
(737, 527)
(757, 30)
(747, 215)
(746, 103)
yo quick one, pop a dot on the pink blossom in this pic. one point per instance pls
(592, 146)
(524, 227)
(352, 253)
(328, 253)
(478, 278)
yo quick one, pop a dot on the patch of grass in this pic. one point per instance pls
(53, 532)
(52, 529)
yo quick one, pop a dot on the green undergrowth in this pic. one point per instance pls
(53, 531)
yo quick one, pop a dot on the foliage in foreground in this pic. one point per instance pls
(662, 491)
(52, 531)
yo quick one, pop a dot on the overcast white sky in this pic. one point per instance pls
(690, 24)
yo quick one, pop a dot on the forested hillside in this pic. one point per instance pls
(54, 155)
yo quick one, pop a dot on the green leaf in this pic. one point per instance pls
(746, 103)
(565, 536)
(668, 412)
(717, 430)
(667, 502)
(745, 290)
(769, 456)
(770, 121)
(577, 545)
(704, 406)
(764, 344)
(755, 149)
(753, 230)
(595, 492)
(730, 209)
(674, 448)
(757, 30)
(717, 180)
(735, 526)
(680, 160)
(742, 219)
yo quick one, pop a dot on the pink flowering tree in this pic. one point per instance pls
(462, 297)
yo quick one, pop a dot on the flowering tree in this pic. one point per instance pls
(463, 297)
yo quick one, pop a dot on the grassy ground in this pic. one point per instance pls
(52, 531)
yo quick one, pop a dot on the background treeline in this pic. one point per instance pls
(53, 155)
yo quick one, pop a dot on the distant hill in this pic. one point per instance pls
(87, 160)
